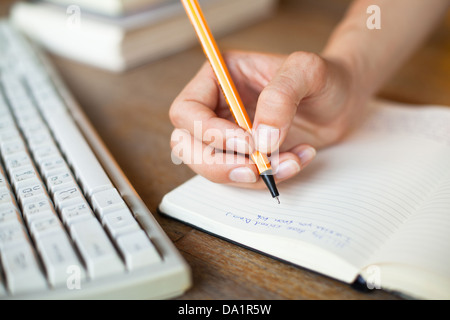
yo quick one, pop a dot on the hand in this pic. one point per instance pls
(298, 102)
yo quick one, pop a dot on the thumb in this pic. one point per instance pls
(278, 102)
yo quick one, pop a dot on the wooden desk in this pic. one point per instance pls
(130, 112)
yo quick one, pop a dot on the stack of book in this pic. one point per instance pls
(117, 35)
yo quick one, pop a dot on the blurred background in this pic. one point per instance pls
(100, 36)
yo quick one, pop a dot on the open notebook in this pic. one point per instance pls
(376, 205)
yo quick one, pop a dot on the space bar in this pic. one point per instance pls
(79, 154)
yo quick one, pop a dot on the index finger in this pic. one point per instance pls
(196, 109)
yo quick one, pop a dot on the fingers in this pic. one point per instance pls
(196, 108)
(301, 75)
(205, 130)
(232, 168)
(213, 164)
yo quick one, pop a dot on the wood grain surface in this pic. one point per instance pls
(130, 112)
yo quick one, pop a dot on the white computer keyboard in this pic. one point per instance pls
(71, 225)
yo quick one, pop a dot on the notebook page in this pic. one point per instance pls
(424, 239)
(349, 201)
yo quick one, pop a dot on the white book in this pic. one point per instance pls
(130, 41)
(111, 7)
(375, 206)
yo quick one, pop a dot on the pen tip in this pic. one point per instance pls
(278, 199)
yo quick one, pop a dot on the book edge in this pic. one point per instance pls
(167, 209)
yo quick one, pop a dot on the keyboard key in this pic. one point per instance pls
(120, 222)
(48, 150)
(68, 195)
(88, 170)
(50, 166)
(137, 250)
(7, 122)
(10, 148)
(39, 139)
(40, 207)
(9, 214)
(13, 87)
(107, 201)
(29, 193)
(9, 134)
(12, 234)
(17, 160)
(99, 255)
(45, 94)
(34, 127)
(75, 213)
(58, 255)
(21, 269)
(3, 182)
(21, 176)
(45, 226)
(6, 198)
(26, 117)
(60, 181)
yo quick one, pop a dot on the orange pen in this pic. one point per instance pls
(234, 101)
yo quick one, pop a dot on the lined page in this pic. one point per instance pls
(349, 201)
(423, 241)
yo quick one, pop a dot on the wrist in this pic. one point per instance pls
(348, 47)
(358, 91)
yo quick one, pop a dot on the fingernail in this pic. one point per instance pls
(307, 155)
(242, 175)
(267, 138)
(287, 169)
(238, 145)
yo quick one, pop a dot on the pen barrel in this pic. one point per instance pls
(262, 163)
(223, 76)
(218, 64)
